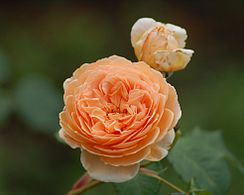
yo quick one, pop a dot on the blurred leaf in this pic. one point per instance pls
(6, 105)
(193, 187)
(235, 162)
(141, 184)
(215, 141)
(4, 68)
(38, 103)
(200, 156)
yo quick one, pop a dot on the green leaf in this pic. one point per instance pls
(215, 141)
(193, 187)
(235, 162)
(194, 190)
(38, 103)
(212, 140)
(141, 185)
(200, 156)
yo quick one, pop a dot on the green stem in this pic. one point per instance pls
(89, 186)
(162, 180)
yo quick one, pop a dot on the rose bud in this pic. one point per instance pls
(160, 45)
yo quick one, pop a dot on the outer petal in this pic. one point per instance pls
(140, 27)
(173, 60)
(173, 105)
(160, 149)
(179, 33)
(167, 140)
(157, 153)
(97, 169)
(67, 139)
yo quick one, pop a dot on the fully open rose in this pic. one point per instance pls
(118, 113)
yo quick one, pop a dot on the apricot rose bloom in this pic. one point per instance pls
(160, 45)
(118, 113)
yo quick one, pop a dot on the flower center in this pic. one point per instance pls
(117, 105)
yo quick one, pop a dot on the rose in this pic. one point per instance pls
(118, 113)
(160, 45)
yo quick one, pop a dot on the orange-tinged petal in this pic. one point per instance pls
(127, 160)
(97, 169)
(160, 149)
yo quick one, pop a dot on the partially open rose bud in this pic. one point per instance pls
(160, 45)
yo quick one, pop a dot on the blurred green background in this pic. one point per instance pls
(43, 42)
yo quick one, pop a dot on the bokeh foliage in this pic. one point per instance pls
(43, 42)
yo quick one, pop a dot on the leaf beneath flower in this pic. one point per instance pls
(141, 184)
(200, 156)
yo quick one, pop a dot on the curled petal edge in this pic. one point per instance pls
(179, 34)
(171, 61)
(160, 149)
(140, 27)
(69, 141)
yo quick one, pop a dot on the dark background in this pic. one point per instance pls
(43, 42)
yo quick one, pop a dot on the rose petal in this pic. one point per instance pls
(129, 159)
(157, 153)
(167, 140)
(174, 106)
(140, 27)
(173, 60)
(165, 123)
(179, 34)
(160, 150)
(97, 169)
(67, 139)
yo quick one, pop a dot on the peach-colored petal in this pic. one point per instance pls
(97, 169)
(157, 153)
(167, 140)
(136, 155)
(173, 105)
(160, 150)
(72, 143)
(127, 160)
(165, 123)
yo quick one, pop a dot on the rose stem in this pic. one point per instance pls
(89, 186)
(162, 180)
